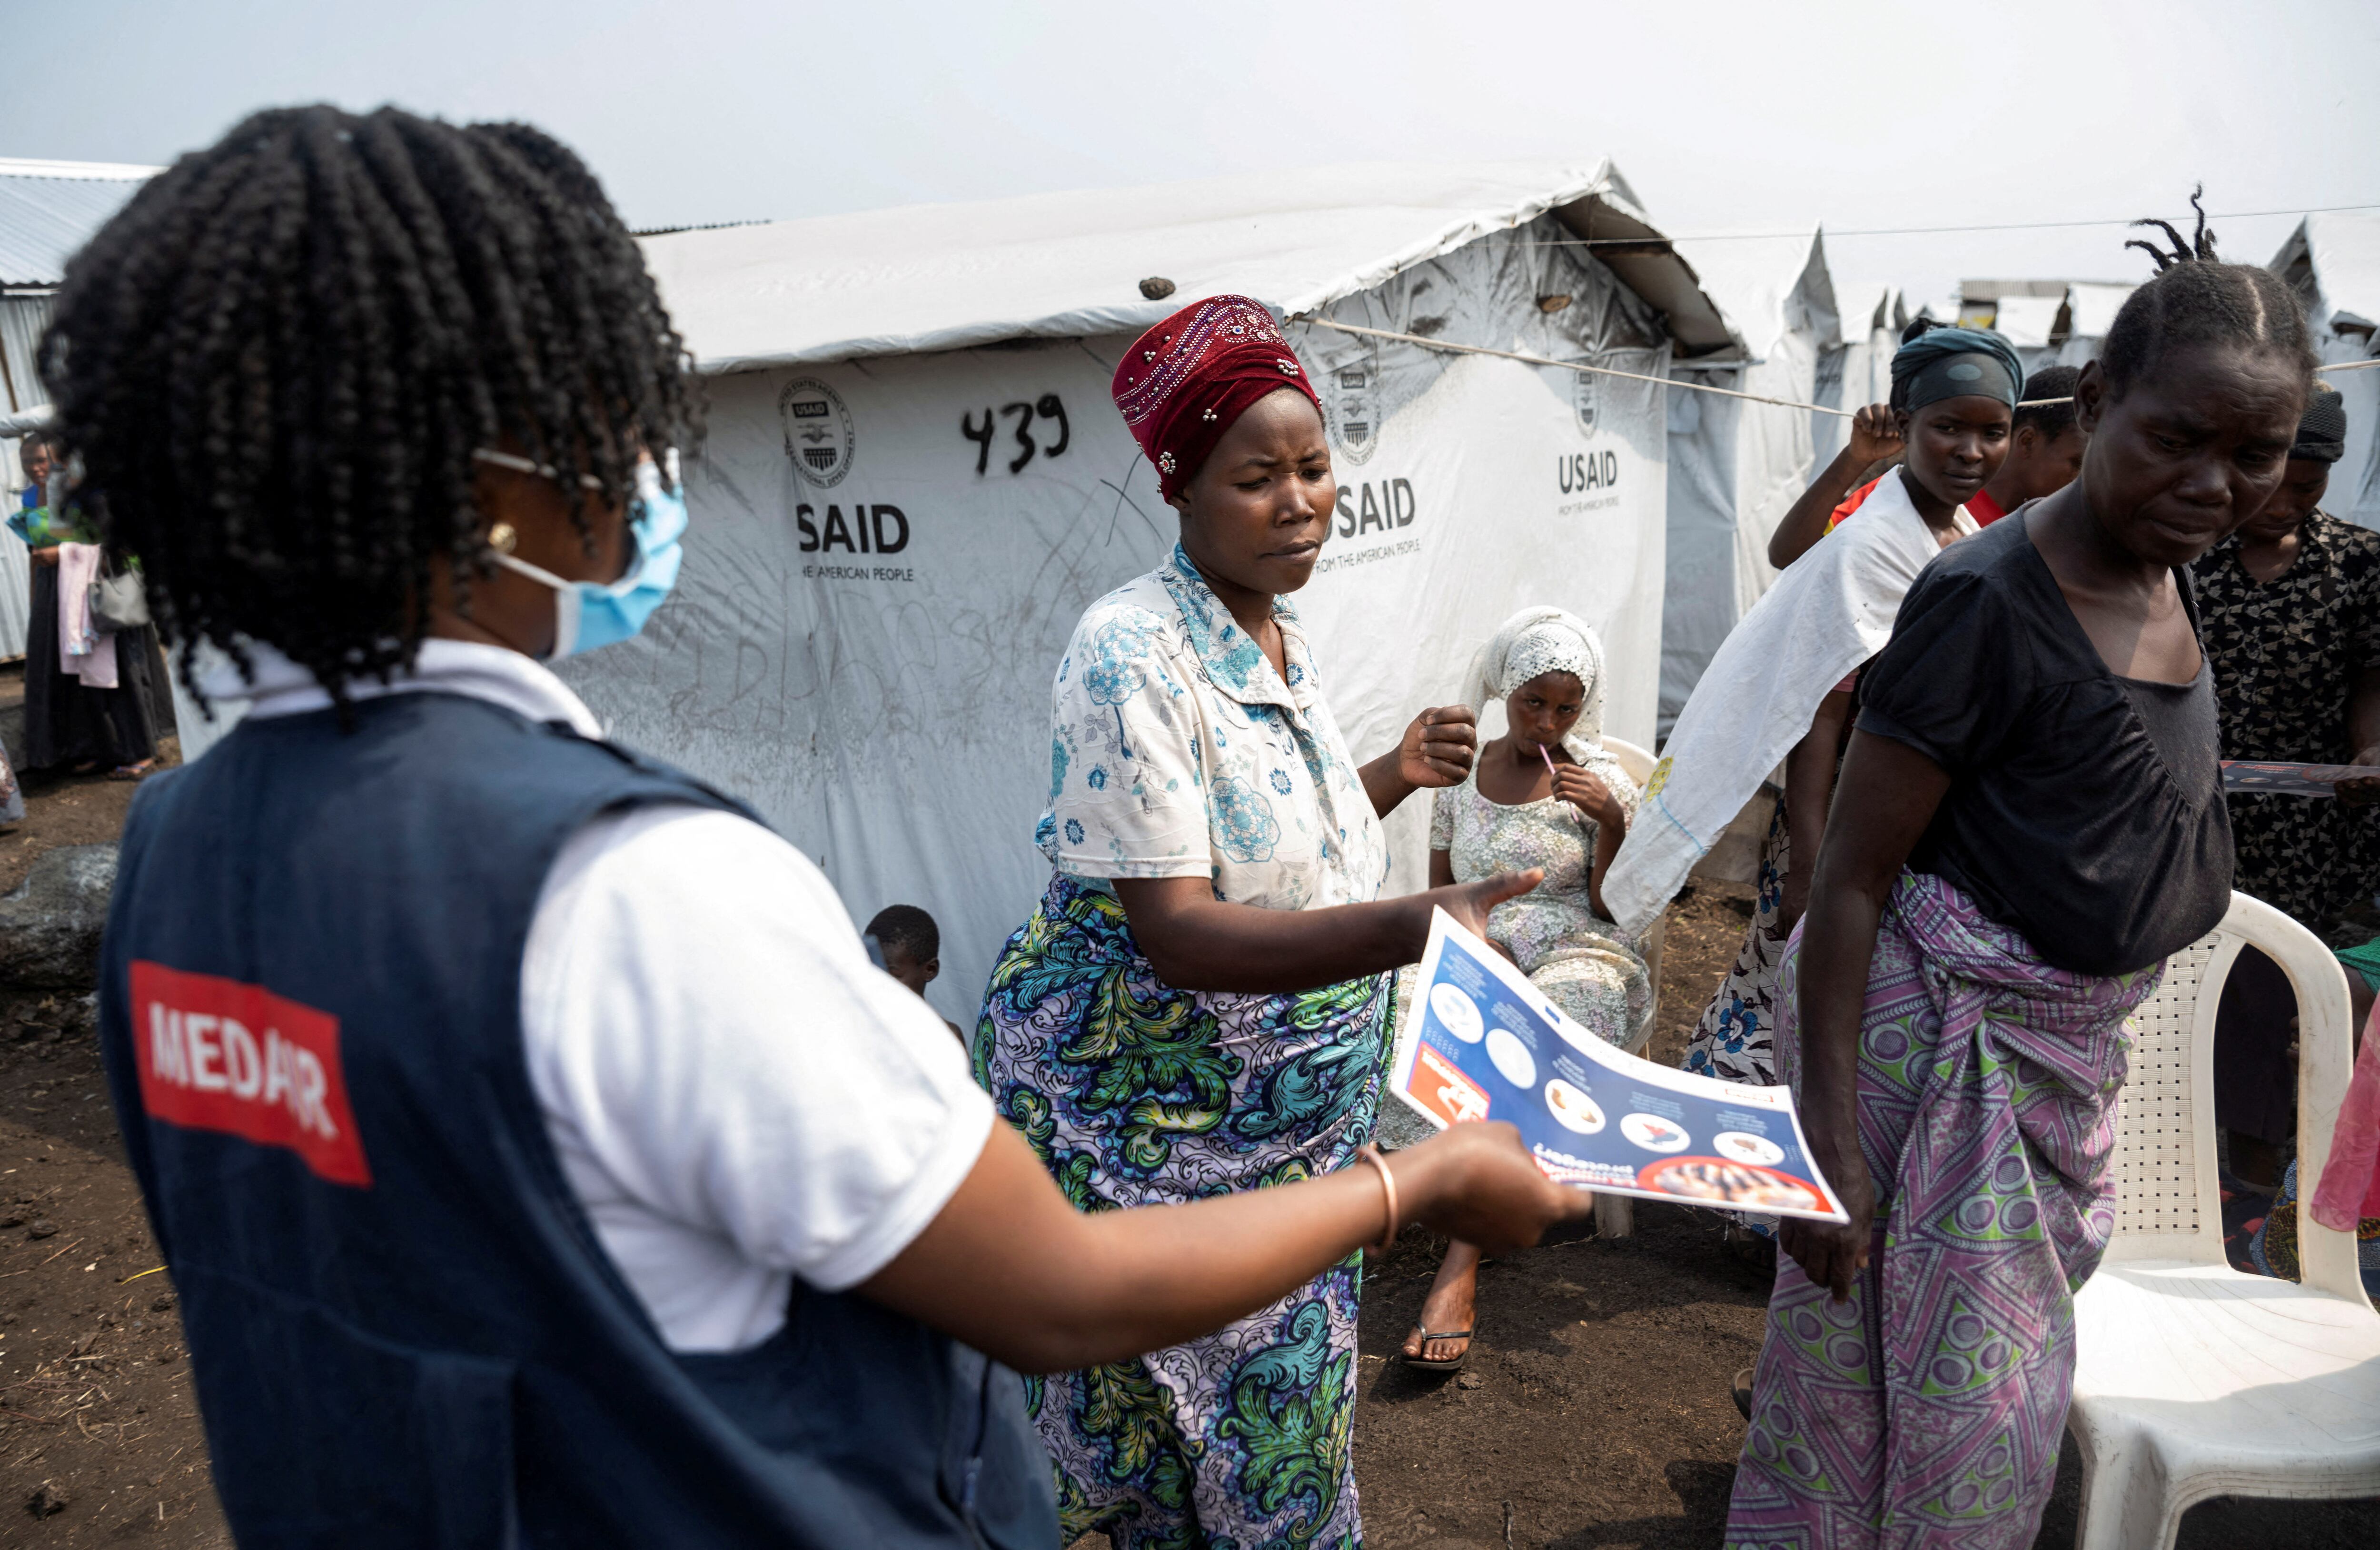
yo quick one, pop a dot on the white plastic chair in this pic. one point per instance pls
(1614, 1215)
(2193, 1380)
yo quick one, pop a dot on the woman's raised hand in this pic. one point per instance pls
(1475, 1182)
(1875, 435)
(1438, 748)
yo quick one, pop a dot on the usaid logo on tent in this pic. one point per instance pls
(1355, 397)
(819, 434)
(1586, 397)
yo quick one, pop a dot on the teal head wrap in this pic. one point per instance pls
(1954, 362)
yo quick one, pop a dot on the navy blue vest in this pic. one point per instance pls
(403, 1328)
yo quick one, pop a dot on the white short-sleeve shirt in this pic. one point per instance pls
(1177, 751)
(737, 1095)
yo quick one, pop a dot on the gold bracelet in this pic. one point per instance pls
(1371, 1154)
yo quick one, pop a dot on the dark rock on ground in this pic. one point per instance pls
(50, 924)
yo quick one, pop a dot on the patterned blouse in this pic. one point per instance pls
(1483, 837)
(2285, 654)
(1176, 750)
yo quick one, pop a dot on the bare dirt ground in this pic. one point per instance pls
(1595, 1411)
(1599, 1414)
(100, 1442)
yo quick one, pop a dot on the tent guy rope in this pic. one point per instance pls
(1452, 348)
(1568, 365)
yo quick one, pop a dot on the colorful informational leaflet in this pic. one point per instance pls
(2290, 780)
(1482, 1043)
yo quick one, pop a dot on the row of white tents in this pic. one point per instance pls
(950, 363)
(2333, 261)
(2051, 322)
(913, 482)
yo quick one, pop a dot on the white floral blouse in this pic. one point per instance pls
(1176, 750)
(1583, 962)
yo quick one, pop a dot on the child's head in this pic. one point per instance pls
(2046, 448)
(911, 943)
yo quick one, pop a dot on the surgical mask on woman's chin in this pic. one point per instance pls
(588, 615)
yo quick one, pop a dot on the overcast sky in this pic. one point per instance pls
(1726, 117)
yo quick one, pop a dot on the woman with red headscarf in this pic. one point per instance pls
(1196, 1006)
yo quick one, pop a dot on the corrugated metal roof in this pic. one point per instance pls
(44, 217)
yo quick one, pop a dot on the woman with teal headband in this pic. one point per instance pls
(1954, 396)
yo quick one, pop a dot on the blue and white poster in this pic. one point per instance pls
(1484, 1043)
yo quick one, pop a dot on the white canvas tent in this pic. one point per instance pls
(2091, 309)
(914, 483)
(1736, 466)
(2051, 322)
(1856, 370)
(2332, 263)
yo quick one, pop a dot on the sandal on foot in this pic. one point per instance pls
(1741, 1391)
(1448, 1364)
(132, 771)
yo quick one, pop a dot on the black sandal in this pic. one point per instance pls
(1450, 1363)
(1741, 1391)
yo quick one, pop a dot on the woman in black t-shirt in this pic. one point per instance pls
(2030, 818)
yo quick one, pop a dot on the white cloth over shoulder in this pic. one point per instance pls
(1830, 611)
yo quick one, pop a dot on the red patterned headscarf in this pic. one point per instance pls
(1185, 381)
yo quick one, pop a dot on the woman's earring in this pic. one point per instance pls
(502, 539)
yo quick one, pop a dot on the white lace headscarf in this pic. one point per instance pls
(1544, 639)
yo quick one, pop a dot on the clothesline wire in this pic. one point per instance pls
(1929, 231)
(1449, 346)
(1452, 348)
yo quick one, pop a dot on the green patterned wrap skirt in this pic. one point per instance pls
(1136, 1094)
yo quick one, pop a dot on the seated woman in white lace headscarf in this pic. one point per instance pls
(1546, 794)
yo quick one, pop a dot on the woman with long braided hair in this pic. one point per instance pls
(537, 1154)
(283, 353)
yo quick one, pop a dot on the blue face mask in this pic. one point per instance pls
(591, 614)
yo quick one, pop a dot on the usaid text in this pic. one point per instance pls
(1589, 470)
(1363, 508)
(868, 529)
